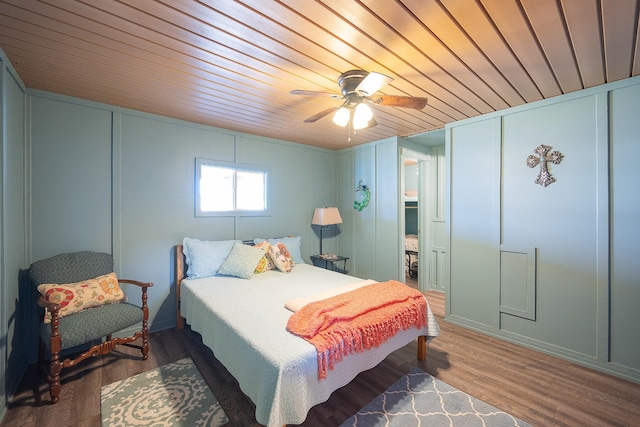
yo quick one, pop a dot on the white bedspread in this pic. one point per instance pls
(244, 324)
(411, 242)
(297, 303)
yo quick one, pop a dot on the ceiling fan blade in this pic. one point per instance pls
(321, 114)
(314, 93)
(373, 83)
(402, 101)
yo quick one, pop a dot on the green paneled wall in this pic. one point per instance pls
(372, 237)
(13, 213)
(559, 220)
(567, 276)
(625, 230)
(107, 177)
(71, 177)
(474, 222)
(388, 235)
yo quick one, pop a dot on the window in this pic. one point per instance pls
(230, 189)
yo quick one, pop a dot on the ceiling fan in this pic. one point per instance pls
(358, 88)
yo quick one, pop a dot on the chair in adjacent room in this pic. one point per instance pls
(81, 303)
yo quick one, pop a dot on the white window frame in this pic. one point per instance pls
(200, 163)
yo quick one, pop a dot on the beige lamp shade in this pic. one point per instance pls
(326, 216)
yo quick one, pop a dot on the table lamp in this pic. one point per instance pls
(325, 217)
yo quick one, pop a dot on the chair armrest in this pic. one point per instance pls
(143, 286)
(51, 306)
(136, 282)
(54, 309)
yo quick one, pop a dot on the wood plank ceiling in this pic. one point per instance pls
(232, 63)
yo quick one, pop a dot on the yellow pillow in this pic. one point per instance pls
(74, 297)
(265, 263)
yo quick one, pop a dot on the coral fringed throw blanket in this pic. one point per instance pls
(358, 320)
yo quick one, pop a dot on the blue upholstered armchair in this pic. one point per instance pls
(81, 302)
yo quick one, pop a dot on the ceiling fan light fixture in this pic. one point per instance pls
(359, 124)
(357, 88)
(341, 117)
(372, 83)
(363, 112)
(361, 116)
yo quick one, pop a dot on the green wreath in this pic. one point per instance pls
(366, 196)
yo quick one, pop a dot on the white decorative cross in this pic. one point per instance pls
(544, 177)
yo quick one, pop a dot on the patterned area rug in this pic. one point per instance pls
(418, 399)
(171, 395)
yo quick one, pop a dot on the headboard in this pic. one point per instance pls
(180, 274)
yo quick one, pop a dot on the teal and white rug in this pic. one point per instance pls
(418, 399)
(171, 395)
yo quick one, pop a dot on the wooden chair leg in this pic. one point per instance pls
(54, 383)
(55, 366)
(145, 325)
(145, 340)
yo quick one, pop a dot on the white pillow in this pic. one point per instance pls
(292, 243)
(204, 257)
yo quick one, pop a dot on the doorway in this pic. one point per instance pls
(414, 187)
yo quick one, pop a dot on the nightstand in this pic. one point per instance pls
(330, 263)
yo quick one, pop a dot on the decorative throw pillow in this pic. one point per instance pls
(265, 263)
(242, 261)
(292, 243)
(74, 297)
(205, 257)
(281, 257)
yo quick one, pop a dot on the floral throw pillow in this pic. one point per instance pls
(293, 244)
(281, 257)
(74, 297)
(265, 263)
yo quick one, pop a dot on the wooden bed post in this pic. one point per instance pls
(422, 347)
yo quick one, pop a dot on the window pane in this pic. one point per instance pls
(216, 189)
(250, 191)
(225, 188)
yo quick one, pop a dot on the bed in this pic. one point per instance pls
(244, 323)
(411, 254)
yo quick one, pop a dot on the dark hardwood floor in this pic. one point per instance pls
(540, 389)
